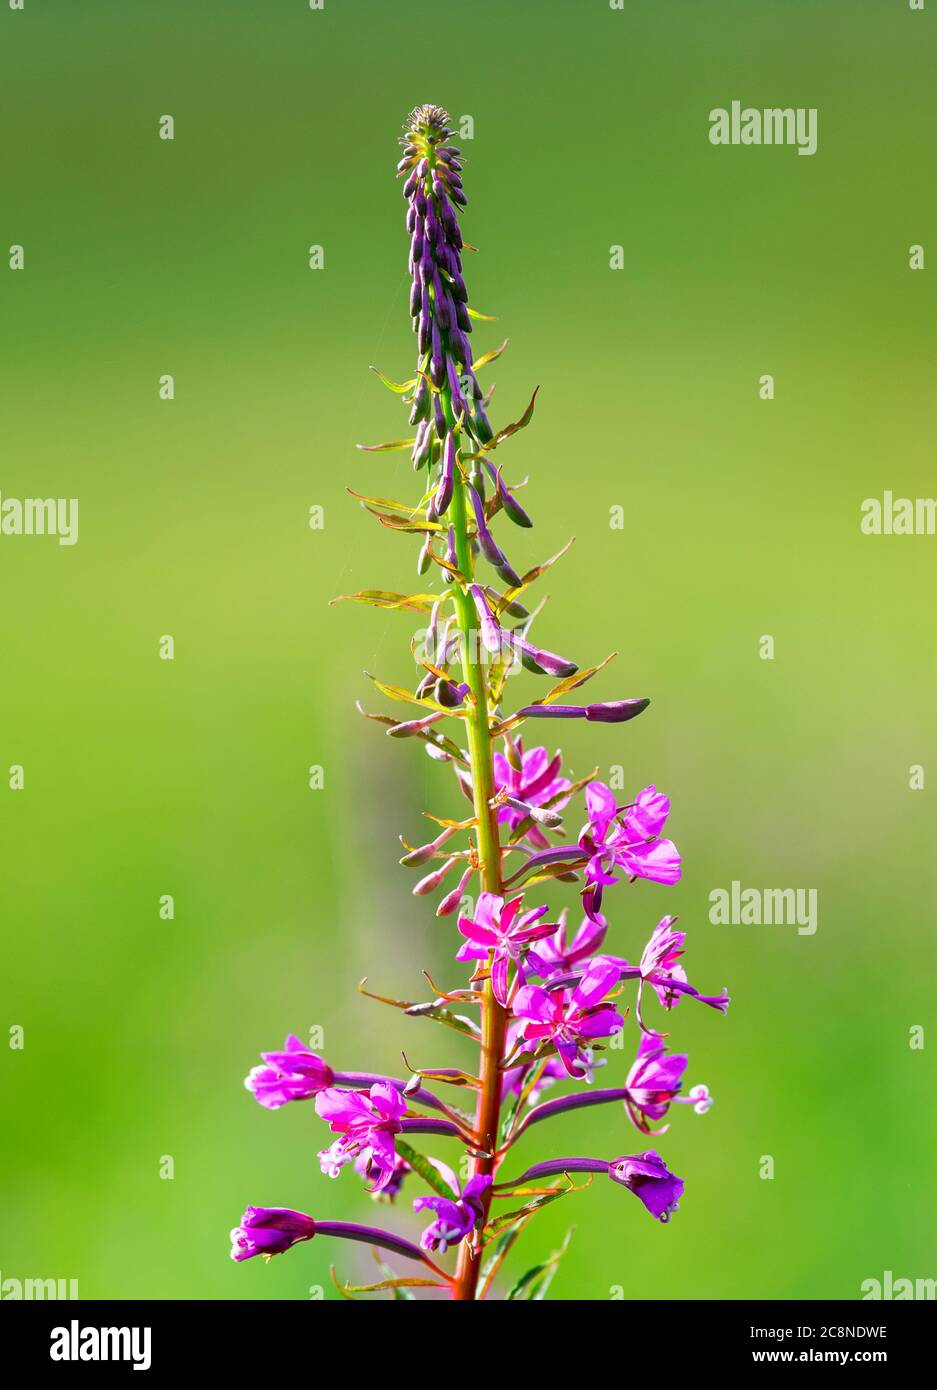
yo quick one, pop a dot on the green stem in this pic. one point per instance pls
(493, 1016)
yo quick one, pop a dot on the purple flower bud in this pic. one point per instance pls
(437, 359)
(425, 685)
(488, 545)
(514, 609)
(542, 815)
(443, 496)
(610, 712)
(408, 728)
(451, 901)
(492, 634)
(421, 445)
(461, 349)
(448, 218)
(427, 267)
(508, 501)
(452, 557)
(420, 408)
(483, 430)
(431, 225)
(450, 694)
(431, 882)
(417, 857)
(269, 1231)
(542, 662)
(442, 302)
(459, 403)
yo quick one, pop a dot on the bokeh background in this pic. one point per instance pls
(147, 777)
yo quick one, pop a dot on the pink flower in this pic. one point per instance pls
(653, 1082)
(293, 1074)
(455, 1218)
(649, 1178)
(535, 783)
(630, 842)
(557, 955)
(659, 968)
(496, 927)
(366, 1122)
(570, 1020)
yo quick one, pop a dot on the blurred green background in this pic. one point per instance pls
(147, 777)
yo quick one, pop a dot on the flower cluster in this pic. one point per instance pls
(544, 1005)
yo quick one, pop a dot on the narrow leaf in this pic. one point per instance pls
(385, 598)
(420, 1164)
(520, 424)
(487, 357)
(397, 692)
(388, 503)
(433, 736)
(400, 388)
(388, 447)
(459, 1022)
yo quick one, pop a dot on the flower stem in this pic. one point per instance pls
(493, 1016)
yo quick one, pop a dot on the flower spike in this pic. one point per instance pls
(537, 1001)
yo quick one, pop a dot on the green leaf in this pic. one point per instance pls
(450, 1078)
(420, 1164)
(433, 736)
(521, 424)
(575, 681)
(457, 1021)
(502, 1248)
(385, 598)
(528, 1209)
(394, 1284)
(533, 1285)
(481, 318)
(537, 571)
(564, 687)
(397, 692)
(387, 447)
(487, 357)
(388, 503)
(413, 528)
(400, 388)
(429, 1010)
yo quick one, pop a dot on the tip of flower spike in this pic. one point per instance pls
(432, 122)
